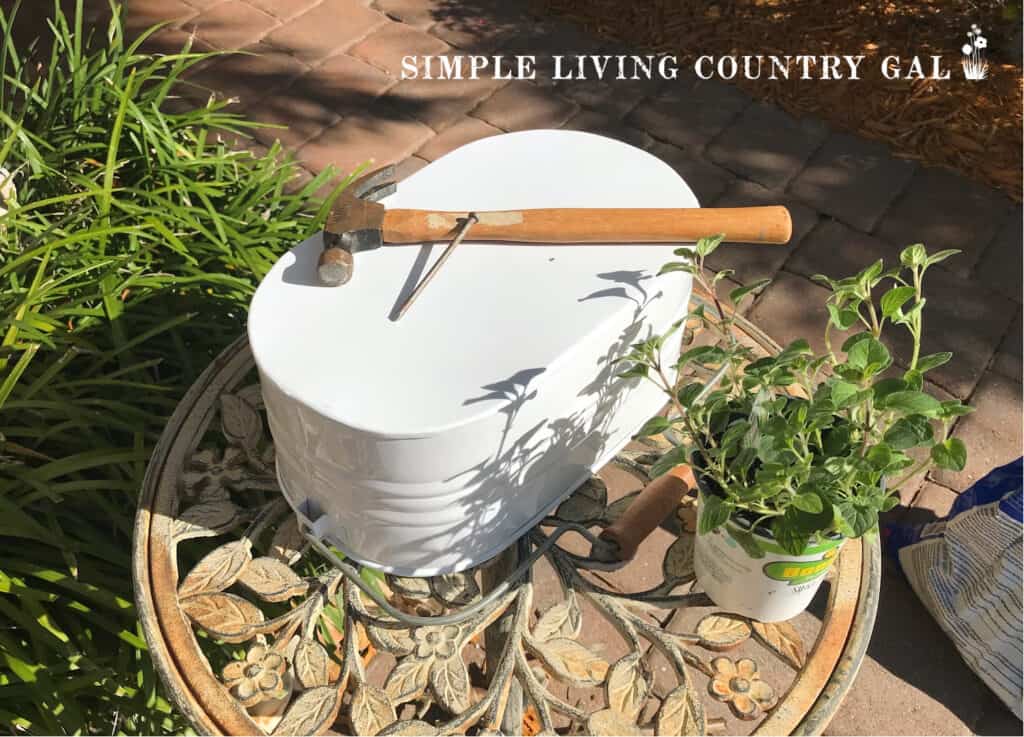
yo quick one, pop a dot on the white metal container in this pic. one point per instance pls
(429, 444)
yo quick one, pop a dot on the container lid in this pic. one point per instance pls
(494, 311)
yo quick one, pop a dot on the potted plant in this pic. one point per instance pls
(796, 453)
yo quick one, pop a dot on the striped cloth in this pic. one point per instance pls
(966, 569)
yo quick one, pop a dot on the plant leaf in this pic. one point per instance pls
(789, 534)
(843, 318)
(677, 456)
(676, 266)
(940, 256)
(638, 370)
(747, 541)
(714, 512)
(702, 354)
(842, 392)
(856, 519)
(880, 456)
(954, 408)
(739, 293)
(868, 356)
(853, 340)
(707, 245)
(689, 393)
(914, 255)
(894, 299)
(950, 454)
(909, 432)
(884, 387)
(808, 502)
(653, 426)
(795, 349)
(867, 278)
(932, 361)
(914, 379)
(911, 402)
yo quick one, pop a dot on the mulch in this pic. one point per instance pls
(973, 127)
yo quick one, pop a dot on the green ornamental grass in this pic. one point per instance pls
(131, 239)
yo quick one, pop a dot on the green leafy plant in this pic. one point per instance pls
(798, 445)
(131, 239)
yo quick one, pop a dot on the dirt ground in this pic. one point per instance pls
(973, 127)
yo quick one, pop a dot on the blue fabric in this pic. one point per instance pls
(1003, 484)
(967, 571)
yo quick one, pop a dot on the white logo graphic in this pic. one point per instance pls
(974, 64)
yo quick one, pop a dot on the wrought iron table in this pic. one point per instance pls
(263, 635)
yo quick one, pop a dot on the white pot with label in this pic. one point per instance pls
(774, 587)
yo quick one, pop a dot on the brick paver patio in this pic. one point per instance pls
(329, 70)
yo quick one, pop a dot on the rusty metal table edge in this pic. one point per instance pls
(845, 673)
(164, 662)
(817, 718)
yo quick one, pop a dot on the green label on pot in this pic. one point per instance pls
(796, 571)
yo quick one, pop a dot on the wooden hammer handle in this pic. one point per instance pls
(656, 502)
(596, 225)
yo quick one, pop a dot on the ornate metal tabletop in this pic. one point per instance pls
(253, 632)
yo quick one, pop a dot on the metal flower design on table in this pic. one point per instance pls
(435, 641)
(211, 474)
(257, 678)
(313, 635)
(739, 683)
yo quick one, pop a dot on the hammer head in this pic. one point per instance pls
(354, 224)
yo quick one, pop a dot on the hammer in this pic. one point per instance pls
(358, 222)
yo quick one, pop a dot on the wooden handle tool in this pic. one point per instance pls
(658, 500)
(357, 221)
(770, 224)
